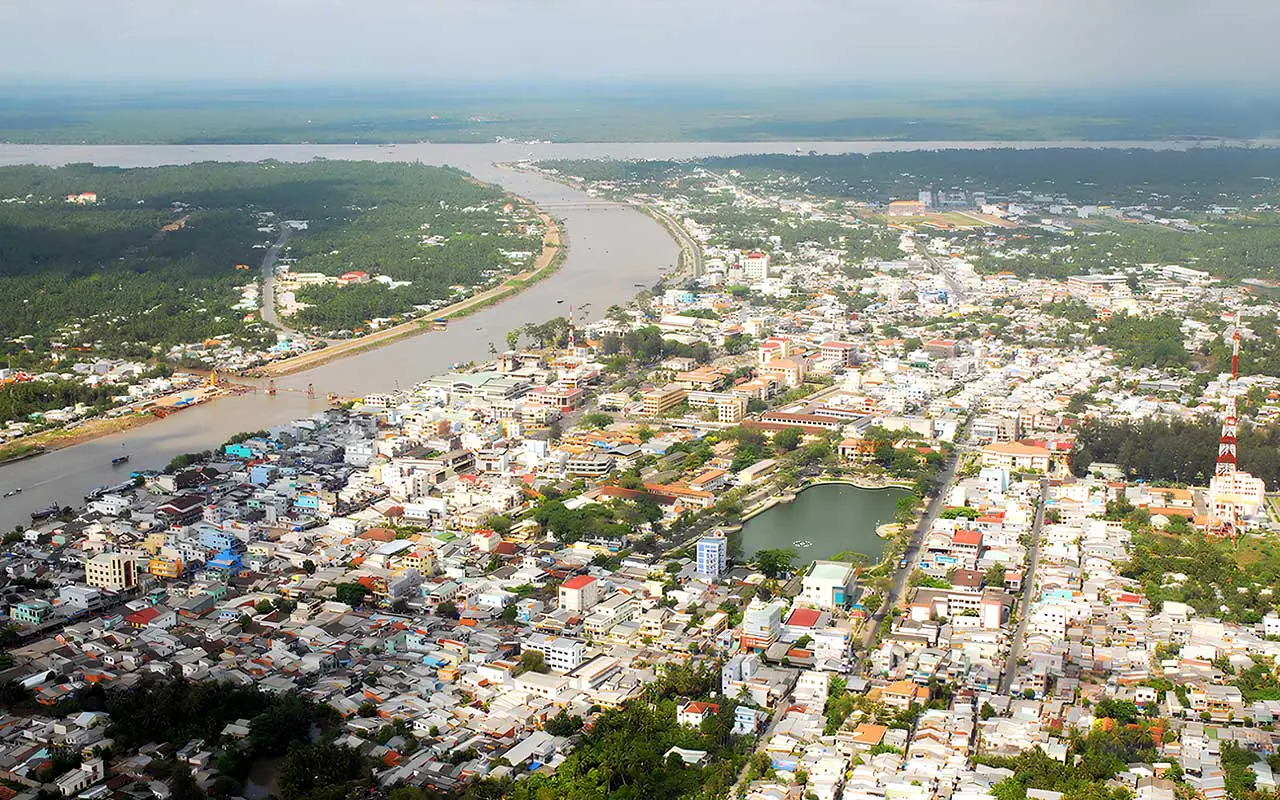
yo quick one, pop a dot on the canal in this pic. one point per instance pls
(833, 518)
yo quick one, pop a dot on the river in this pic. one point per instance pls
(611, 248)
(834, 518)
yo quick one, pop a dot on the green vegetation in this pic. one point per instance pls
(1177, 451)
(1099, 755)
(623, 757)
(152, 263)
(174, 712)
(1101, 176)
(1222, 579)
(1145, 341)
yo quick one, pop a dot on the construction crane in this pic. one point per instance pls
(211, 382)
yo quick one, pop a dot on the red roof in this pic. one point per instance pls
(142, 616)
(967, 537)
(699, 707)
(804, 617)
(579, 582)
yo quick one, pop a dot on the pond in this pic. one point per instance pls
(826, 519)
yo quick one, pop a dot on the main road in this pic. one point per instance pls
(912, 553)
(1028, 591)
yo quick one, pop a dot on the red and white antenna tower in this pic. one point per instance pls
(1231, 423)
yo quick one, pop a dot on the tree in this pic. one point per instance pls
(264, 606)
(994, 576)
(787, 439)
(532, 661)
(508, 615)
(775, 563)
(352, 594)
(308, 768)
(563, 725)
(596, 419)
(447, 609)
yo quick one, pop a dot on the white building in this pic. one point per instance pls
(713, 554)
(579, 594)
(1236, 496)
(829, 585)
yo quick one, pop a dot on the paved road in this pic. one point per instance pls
(269, 315)
(957, 291)
(912, 553)
(686, 241)
(1028, 590)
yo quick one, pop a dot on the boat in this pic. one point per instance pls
(118, 460)
(48, 511)
(12, 492)
(559, 301)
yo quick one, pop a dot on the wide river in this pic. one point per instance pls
(611, 248)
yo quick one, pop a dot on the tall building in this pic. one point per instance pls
(579, 594)
(111, 571)
(713, 554)
(755, 266)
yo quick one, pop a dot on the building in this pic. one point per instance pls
(589, 464)
(693, 713)
(828, 584)
(656, 401)
(111, 571)
(579, 594)
(906, 208)
(1236, 496)
(31, 612)
(1016, 457)
(1095, 284)
(755, 266)
(713, 554)
(838, 354)
(729, 408)
(761, 625)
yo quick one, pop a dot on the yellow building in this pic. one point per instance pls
(656, 401)
(165, 567)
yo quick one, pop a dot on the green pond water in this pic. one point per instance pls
(834, 517)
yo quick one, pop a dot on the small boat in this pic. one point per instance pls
(12, 492)
(559, 301)
(118, 460)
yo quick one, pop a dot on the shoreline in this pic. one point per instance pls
(554, 251)
(789, 495)
(555, 247)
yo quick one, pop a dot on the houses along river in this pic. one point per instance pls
(612, 247)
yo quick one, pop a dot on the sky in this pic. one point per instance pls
(434, 42)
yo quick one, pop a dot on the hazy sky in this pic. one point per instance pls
(1061, 42)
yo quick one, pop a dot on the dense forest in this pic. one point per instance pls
(152, 263)
(1175, 452)
(1168, 178)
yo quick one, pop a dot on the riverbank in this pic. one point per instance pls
(58, 438)
(555, 247)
